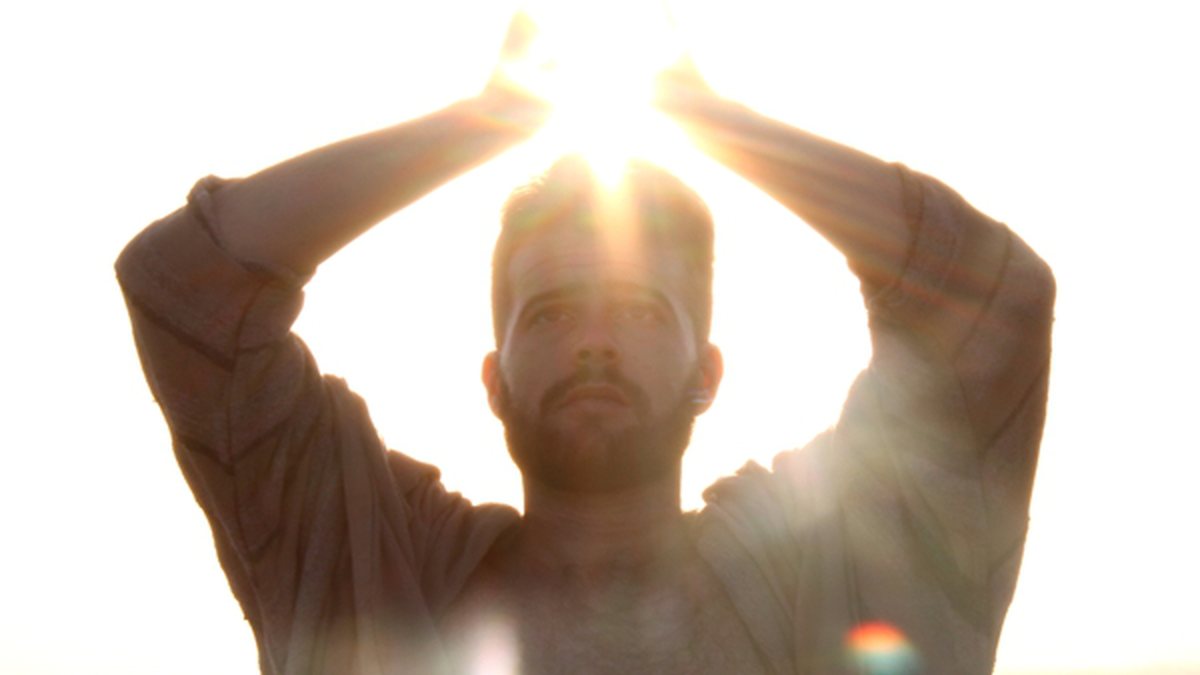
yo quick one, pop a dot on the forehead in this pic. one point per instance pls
(563, 260)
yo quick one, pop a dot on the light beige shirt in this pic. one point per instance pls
(911, 511)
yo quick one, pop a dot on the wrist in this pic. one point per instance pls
(707, 117)
(509, 109)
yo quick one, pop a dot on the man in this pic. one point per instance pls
(910, 514)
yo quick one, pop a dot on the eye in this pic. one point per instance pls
(549, 315)
(638, 311)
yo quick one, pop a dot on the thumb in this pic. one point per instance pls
(680, 85)
(522, 31)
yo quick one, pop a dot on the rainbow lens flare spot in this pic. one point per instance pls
(878, 648)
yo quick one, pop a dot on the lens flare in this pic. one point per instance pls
(605, 53)
(493, 648)
(878, 648)
(596, 64)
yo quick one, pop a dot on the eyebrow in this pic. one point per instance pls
(577, 289)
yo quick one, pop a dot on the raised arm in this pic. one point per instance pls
(299, 212)
(852, 199)
(913, 509)
(928, 260)
(330, 542)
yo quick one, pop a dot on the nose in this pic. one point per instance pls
(596, 354)
(596, 346)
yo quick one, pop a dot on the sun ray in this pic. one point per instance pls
(605, 59)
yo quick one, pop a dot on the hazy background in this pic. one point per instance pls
(1073, 122)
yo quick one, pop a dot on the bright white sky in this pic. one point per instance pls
(1074, 122)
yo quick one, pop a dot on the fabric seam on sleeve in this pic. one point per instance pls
(200, 199)
(991, 295)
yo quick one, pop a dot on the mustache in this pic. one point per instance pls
(608, 375)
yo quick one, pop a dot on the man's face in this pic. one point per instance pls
(599, 375)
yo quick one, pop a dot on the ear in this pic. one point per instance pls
(490, 374)
(712, 369)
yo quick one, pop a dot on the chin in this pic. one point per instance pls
(590, 458)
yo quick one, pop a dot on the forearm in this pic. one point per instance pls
(944, 280)
(299, 212)
(852, 199)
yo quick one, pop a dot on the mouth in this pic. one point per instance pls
(602, 393)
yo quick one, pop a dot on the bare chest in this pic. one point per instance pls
(687, 626)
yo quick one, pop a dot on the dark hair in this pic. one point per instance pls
(568, 196)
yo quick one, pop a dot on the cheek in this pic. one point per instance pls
(659, 350)
(526, 373)
(666, 372)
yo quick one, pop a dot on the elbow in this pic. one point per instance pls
(1033, 289)
(1038, 277)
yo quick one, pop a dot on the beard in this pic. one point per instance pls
(592, 459)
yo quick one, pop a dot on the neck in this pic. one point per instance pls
(636, 532)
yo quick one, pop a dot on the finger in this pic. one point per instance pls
(522, 31)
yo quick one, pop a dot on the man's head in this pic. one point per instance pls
(602, 302)
(648, 202)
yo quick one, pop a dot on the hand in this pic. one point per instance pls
(681, 89)
(521, 70)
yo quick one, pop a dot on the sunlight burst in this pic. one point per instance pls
(603, 60)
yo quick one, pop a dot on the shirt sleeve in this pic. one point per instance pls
(340, 552)
(934, 456)
(912, 510)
